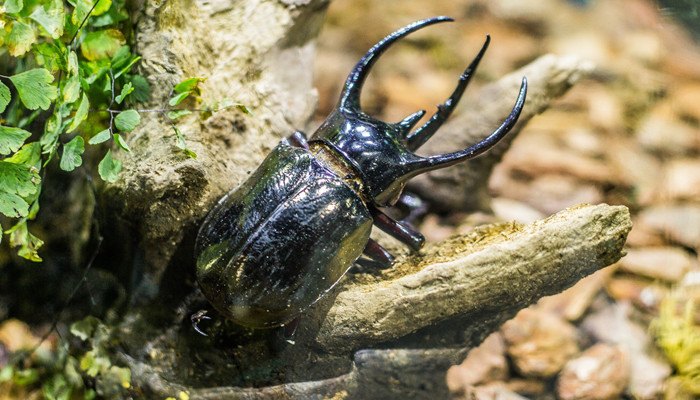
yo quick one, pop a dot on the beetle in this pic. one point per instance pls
(277, 243)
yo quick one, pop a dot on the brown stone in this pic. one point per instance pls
(538, 343)
(599, 373)
(665, 263)
(484, 364)
(573, 302)
(677, 223)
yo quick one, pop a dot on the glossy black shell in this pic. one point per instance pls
(278, 242)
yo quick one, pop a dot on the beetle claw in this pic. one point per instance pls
(290, 329)
(196, 318)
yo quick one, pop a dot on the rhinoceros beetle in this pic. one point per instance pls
(281, 240)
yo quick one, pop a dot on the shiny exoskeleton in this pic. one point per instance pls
(278, 242)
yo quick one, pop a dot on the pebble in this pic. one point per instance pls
(641, 170)
(485, 363)
(492, 392)
(599, 373)
(664, 133)
(681, 180)
(539, 343)
(573, 302)
(635, 289)
(647, 376)
(679, 223)
(665, 263)
(612, 325)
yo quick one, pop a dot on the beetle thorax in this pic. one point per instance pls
(375, 149)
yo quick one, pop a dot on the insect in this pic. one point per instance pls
(281, 240)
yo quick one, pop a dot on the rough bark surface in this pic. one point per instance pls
(387, 334)
(392, 333)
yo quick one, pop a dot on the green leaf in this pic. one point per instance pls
(18, 182)
(4, 96)
(80, 115)
(121, 142)
(25, 377)
(182, 144)
(51, 18)
(128, 88)
(49, 55)
(20, 39)
(11, 139)
(72, 151)
(121, 375)
(49, 140)
(101, 7)
(6, 373)
(175, 100)
(175, 114)
(29, 154)
(94, 363)
(28, 243)
(121, 57)
(34, 206)
(111, 18)
(73, 63)
(35, 89)
(56, 388)
(141, 87)
(84, 328)
(13, 6)
(101, 137)
(71, 91)
(109, 168)
(188, 85)
(19, 179)
(227, 102)
(13, 205)
(127, 67)
(102, 44)
(127, 120)
(83, 7)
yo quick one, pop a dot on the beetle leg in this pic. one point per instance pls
(378, 254)
(196, 318)
(401, 231)
(413, 205)
(297, 139)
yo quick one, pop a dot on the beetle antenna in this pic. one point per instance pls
(350, 97)
(430, 163)
(425, 132)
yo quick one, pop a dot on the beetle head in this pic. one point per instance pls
(382, 152)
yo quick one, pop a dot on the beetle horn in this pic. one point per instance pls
(425, 132)
(430, 163)
(350, 97)
(409, 122)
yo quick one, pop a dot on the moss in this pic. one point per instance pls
(678, 335)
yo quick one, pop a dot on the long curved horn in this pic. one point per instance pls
(426, 164)
(422, 134)
(350, 97)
